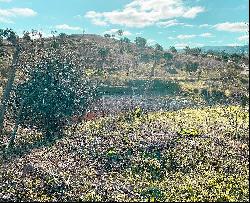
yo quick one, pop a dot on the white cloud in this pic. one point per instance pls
(207, 34)
(244, 38)
(180, 45)
(169, 23)
(67, 27)
(138, 33)
(15, 12)
(191, 45)
(114, 31)
(216, 41)
(192, 13)
(99, 22)
(204, 25)
(142, 13)
(96, 18)
(185, 36)
(5, 20)
(232, 27)
(78, 17)
(5, 0)
(188, 25)
(233, 45)
(6, 15)
(171, 38)
(196, 45)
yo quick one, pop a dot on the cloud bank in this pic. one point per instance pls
(142, 13)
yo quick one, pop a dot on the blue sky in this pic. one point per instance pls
(167, 22)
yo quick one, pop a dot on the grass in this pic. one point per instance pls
(187, 155)
(195, 154)
(221, 83)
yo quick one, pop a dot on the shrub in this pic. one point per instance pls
(172, 71)
(53, 93)
(192, 67)
(159, 86)
(167, 56)
(188, 132)
(140, 42)
(152, 194)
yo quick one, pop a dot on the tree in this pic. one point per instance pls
(32, 54)
(107, 35)
(55, 91)
(11, 37)
(173, 49)
(159, 47)
(195, 51)
(247, 25)
(103, 53)
(125, 47)
(187, 50)
(236, 57)
(167, 56)
(120, 32)
(26, 36)
(19, 47)
(62, 38)
(224, 56)
(157, 55)
(125, 40)
(140, 42)
(192, 67)
(62, 35)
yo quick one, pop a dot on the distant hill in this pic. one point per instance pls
(88, 51)
(227, 49)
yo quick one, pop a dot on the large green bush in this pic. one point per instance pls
(54, 92)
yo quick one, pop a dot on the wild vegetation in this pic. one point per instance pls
(91, 118)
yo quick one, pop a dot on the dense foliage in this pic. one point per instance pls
(53, 93)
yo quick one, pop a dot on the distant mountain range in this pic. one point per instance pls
(227, 49)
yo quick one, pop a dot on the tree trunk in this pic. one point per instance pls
(153, 69)
(8, 88)
(103, 69)
(13, 136)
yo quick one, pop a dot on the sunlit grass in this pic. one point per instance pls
(186, 155)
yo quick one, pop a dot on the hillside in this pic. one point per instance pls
(162, 125)
(125, 78)
(86, 50)
(136, 61)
